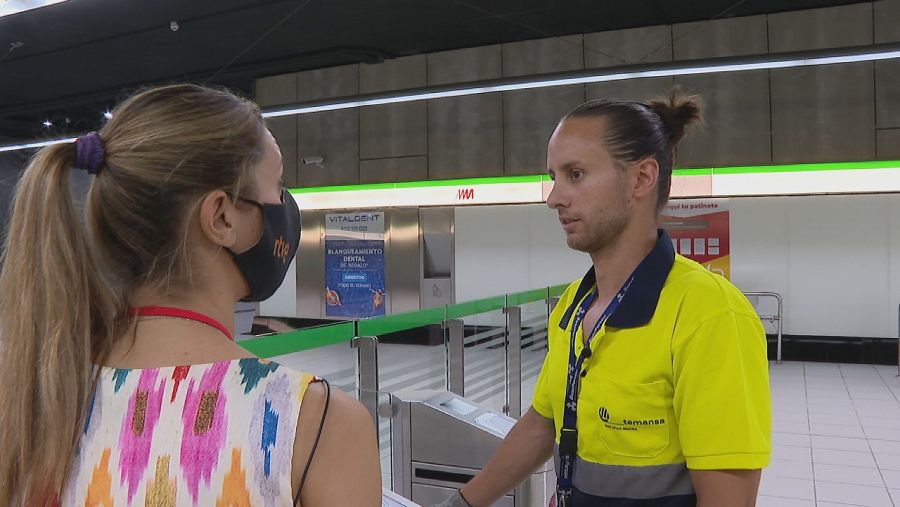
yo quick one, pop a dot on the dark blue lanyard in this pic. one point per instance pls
(568, 435)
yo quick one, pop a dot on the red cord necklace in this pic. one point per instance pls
(179, 313)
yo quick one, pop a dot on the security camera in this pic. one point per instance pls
(318, 161)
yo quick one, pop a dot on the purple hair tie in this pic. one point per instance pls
(90, 155)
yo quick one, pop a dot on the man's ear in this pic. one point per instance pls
(646, 178)
(217, 214)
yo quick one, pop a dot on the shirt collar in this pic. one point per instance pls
(639, 303)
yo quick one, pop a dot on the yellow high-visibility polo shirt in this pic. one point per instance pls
(678, 380)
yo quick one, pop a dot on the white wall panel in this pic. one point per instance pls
(838, 260)
(834, 259)
(491, 257)
(893, 269)
(503, 249)
(551, 262)
(760, 246)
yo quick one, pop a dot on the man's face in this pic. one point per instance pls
(589, 192)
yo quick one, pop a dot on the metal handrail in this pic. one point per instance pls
(513, 406)
(456, 356)
(777, 318)
(367, 373)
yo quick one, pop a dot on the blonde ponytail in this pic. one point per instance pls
(53, 305)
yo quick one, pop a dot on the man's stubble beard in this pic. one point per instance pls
(606, 231)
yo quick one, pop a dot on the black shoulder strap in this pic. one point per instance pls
(316, 443)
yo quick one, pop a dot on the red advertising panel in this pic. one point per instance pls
(700, 231)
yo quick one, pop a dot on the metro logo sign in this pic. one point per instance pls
(475, 191)
(465, 194)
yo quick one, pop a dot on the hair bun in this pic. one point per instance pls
(677, 112)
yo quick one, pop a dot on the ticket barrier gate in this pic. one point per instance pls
(441, 440)
(391, 499)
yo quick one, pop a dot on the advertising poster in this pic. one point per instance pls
(700, 231)
(354, 264)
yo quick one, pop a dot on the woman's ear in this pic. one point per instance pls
(217, 219)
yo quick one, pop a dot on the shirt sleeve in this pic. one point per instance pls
(550, 382)
(541, 402)
(722, 399)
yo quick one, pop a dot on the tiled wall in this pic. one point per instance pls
(832, 113)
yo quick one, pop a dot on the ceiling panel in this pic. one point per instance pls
(74, 59)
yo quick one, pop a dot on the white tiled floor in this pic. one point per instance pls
(836, 436)
(836, 427)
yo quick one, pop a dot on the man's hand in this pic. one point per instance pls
(527, 446)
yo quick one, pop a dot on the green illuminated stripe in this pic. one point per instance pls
(342, 188)
(525, 297)
(401, 322)
(344, 332)
(537, 178)
(692, 172)
(469, 308)
(296, 341)
(557, 290)
(793, 168)
(531, 178)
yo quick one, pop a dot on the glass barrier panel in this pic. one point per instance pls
(557, 290)
(335, 363)
(465, 309)
(411, 349)
(534, 346)
(484, 358)
(528, 296)
(287, 341)
(385, 436)
(324, 351)
(400, 322)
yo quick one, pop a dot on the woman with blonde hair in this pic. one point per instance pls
(122, 384)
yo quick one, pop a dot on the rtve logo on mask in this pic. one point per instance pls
(281, 250)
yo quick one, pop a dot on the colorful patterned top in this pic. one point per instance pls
(207, 434)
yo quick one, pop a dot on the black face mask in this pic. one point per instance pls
(266, 263)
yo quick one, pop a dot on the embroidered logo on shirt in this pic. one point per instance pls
(627, 424)
(604, 414)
